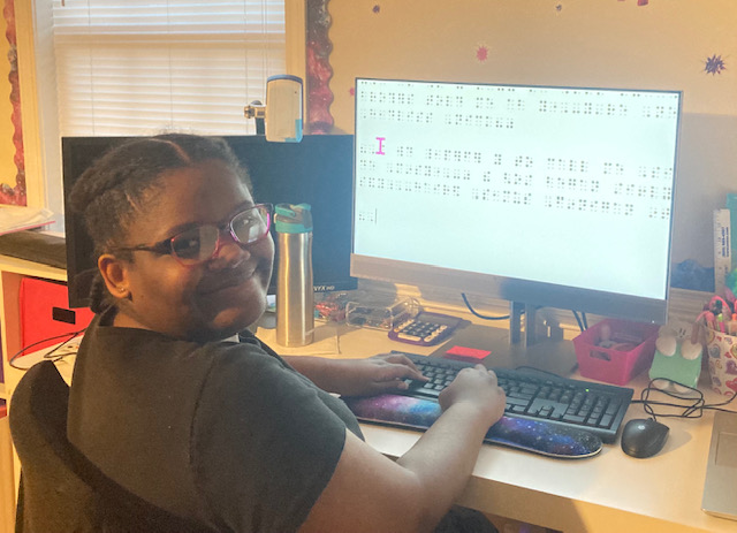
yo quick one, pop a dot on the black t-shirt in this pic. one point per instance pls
(224, 433)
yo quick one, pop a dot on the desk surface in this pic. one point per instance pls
(611, 492)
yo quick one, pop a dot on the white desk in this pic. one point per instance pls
(611, 492)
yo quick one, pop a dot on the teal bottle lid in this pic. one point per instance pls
(290, 218)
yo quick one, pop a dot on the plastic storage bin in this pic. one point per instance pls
(45, 313)
(629, 350)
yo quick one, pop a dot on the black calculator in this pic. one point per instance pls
(425, 329)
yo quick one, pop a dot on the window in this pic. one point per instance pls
(127, 67)
(141, 67)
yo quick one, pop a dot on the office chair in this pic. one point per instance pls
(60, 490)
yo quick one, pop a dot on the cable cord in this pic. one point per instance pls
(580, 319)
(479, 315)
(583, 322)
(50, 354)
(688, 404)
(487, 317)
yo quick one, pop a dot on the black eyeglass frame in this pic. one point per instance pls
(166, 246)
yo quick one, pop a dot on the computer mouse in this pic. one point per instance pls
(643, 437)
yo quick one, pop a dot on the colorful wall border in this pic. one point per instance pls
(319, 71)
(15, 195)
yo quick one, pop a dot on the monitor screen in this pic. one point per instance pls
(317, 171)
(549, 196)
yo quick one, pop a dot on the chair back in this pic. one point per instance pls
(60, 490)
(52, 496)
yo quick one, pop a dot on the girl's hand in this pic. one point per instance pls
(375, 375)
(478, 386)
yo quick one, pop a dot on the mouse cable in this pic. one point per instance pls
(50, 354)
(691, 402)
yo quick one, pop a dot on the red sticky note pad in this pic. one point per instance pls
(465, 353)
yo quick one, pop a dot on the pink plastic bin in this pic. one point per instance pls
(612, 365)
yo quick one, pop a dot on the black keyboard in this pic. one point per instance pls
(595, 407)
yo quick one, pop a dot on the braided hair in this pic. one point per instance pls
(115, 188)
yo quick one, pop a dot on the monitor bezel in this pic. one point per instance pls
(529, 292)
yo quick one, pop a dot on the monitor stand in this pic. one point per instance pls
(518, 346)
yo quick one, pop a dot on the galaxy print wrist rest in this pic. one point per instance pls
(533, 436)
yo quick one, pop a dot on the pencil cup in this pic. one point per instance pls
(722, 354)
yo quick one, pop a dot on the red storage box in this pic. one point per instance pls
(45, 313)
(630, 350)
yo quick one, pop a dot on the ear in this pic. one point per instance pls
(115, 275)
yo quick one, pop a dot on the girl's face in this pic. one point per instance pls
(209, 301)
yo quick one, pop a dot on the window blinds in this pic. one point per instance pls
(137, 67)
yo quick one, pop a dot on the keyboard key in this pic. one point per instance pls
(594, 407)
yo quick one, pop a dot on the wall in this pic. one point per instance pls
(686, 45)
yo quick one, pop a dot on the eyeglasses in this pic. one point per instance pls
(202, 243)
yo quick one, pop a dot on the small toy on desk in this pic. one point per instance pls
(677, 359)
(622, 344)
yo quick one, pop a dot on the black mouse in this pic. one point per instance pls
(643, 437)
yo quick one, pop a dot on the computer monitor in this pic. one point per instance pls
(544, 196)
(318, 171)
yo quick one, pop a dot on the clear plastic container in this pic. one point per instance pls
(377, 315)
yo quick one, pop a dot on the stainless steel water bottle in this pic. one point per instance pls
(295, 319)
